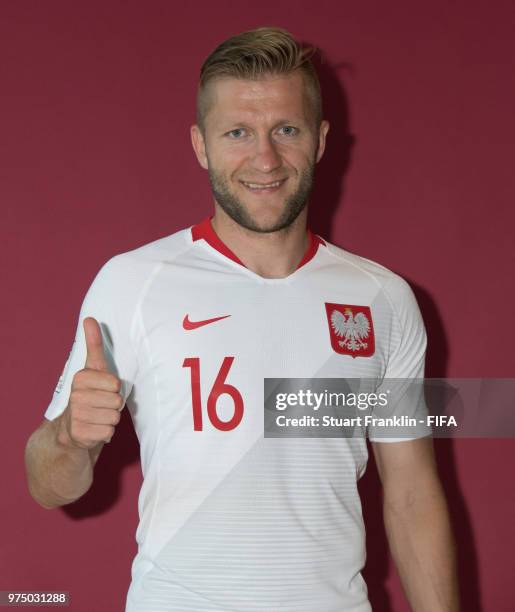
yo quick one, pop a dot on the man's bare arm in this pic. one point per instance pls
(417, 524)
(57, 472)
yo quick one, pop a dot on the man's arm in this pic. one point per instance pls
(417, 524)
(57, 472)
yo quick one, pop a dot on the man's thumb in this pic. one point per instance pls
(95, 357)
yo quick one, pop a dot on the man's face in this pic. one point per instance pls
(260, 147)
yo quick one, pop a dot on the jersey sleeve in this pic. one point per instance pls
(406, 364)
(106, 300)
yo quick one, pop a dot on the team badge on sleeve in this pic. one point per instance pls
(60, 382)
(351, 329)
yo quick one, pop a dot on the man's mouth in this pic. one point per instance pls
(263, 187)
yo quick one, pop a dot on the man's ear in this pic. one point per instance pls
(199, 145)
(322, 133)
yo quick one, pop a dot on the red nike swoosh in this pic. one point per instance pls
(187, 324)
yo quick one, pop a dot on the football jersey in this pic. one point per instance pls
(231, 520)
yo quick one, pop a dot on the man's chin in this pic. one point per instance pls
(265, 223)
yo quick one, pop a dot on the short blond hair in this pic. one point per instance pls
(256, 54)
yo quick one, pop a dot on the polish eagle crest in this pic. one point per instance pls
(353, 330)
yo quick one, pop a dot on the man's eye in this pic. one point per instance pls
(289, 130)
(237, 133)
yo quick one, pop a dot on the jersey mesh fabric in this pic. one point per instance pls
(230, 520)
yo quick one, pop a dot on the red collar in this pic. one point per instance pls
(204, 230)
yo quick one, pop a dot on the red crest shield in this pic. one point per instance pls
(351, 329)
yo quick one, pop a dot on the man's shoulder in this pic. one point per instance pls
(125, 273)
(375, 272)
(376, 277)
(159, 250)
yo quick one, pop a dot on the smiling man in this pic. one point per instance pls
(184, 330)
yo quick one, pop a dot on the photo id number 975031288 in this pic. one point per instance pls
(34, 598)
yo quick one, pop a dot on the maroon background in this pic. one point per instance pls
(97, 100)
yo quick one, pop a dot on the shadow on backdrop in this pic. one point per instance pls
(328, 192)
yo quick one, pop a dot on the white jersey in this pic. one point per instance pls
(231, 520)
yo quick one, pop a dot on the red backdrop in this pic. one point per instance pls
(95, 159)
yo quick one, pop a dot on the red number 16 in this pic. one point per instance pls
(219, 388)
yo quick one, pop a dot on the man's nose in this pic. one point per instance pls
(266, 158)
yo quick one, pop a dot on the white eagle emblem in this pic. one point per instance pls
(353, 330)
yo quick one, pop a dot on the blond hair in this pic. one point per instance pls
(256, 54)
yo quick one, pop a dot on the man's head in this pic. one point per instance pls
(259, 128)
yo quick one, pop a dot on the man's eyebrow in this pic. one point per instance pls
(227, 125)
(230, 124)
(294, 120)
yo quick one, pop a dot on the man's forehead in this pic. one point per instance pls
(268, 94)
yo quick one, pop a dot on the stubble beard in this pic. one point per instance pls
(294, 204)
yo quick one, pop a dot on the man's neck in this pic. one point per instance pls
(270, 255)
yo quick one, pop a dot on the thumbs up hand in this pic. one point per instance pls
(95, 402)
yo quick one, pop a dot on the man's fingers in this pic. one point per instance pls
(97, 416)
(97, 399)
(95, 379)
(95, 357)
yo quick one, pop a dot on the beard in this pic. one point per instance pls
(294, 204)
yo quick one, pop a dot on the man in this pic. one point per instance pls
(186, 328)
